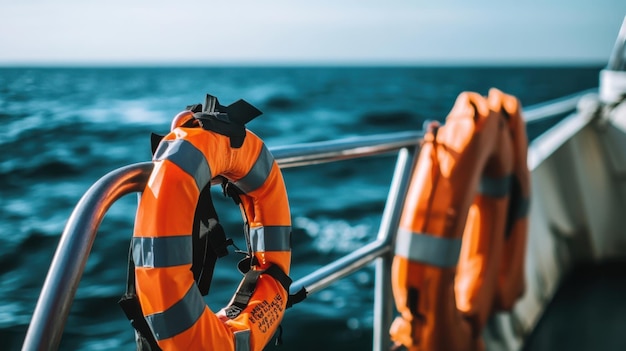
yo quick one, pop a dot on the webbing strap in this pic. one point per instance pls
(209, 241)
(129, 303)
(248, 285)
(242, 340)
(243, 294)
(285, 281)
(299, 296)
(130, 274)
(275, 272)
(226, 120)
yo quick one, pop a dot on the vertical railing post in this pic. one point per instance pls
(383, 297)
(383, 303)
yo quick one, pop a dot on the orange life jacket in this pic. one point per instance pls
(449, 246)
(204, 145)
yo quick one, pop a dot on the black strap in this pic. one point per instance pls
(243, 294)
(298, 297)
(209, 241)
(275, 272)
(155, 139)
(132, 309)
(231, 190)
(248, 286)
(130, 274)
(226, 120)
(246, 264)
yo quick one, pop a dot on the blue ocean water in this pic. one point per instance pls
(64, 128)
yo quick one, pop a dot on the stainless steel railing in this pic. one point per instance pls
(68, 263)
(617, 60)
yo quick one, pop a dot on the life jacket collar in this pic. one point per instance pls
(225, 120)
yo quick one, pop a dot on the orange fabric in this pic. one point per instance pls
(483, 236)
(511, 284)
(158, 201)
(167, 209)
(154, 298)
(445, 308)
(476, 276)
(209, 333)
(215, 331)
(263, 313)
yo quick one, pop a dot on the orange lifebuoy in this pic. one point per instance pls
(511, 283)
(184, 163)
(449, 244)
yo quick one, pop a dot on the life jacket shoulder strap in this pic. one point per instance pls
(209, 241)
(248, 284)
(225, 120)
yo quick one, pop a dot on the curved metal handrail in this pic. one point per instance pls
(53, 305)
(68, 264)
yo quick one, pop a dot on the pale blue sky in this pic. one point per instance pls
(308, 32)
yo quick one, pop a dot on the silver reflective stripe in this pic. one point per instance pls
(178, 318)
(494, 187)
(270, 238)
(187, 157)
(258, 173)
(162, 252)
(242, 340)
(429, 249)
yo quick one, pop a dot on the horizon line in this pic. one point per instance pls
(302, 64)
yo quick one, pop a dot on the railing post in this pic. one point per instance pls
(383, 303)
(383, 296)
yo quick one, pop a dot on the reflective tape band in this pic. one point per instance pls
(494, 187)
(242, 340)
(270, 238)
(178, 318)
(162, 252)
(186, 156)
(258, 173)
(429, 249)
